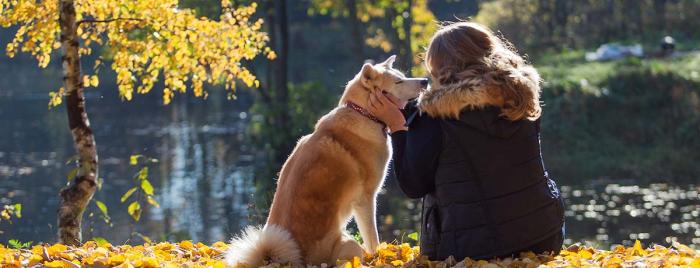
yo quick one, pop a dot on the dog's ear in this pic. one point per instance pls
(367, 74)
(389, 63)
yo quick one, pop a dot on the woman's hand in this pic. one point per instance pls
(387, 110)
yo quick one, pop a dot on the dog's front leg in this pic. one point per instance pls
(365, 217)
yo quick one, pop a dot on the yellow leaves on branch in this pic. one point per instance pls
(55, 98)
(38, 27)
(147, 40)
(8, 211)
(188, 254)
(185, 49)
(90, 81)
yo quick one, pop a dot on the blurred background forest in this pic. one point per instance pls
(620, 134)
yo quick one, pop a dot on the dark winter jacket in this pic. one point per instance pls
(482, 179)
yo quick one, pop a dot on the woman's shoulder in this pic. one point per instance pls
(422, 126)
(419, 118)
(491, 121)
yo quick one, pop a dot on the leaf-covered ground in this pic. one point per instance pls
(188, 254)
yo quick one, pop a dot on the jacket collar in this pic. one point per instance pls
(478, 92)
(497, 86)
(447, 101)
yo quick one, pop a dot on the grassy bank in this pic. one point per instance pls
(633, 118)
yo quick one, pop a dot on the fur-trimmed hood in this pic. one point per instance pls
(515, 91)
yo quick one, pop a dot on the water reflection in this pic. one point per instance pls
(615, 213)
(203, 180)
(203, 195)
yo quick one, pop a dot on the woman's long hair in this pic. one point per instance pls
(465, 50)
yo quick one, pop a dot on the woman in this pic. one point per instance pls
(472, 151)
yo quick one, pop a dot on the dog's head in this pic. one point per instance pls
(383, 77)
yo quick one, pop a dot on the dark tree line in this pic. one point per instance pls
(556, 24)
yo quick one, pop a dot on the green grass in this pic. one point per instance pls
(631, 118)
(570, 67)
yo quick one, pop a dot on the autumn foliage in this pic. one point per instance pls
(145, 40)
(188, 254)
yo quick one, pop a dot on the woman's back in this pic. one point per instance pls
(491, 196)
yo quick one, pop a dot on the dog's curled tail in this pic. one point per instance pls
(256, 245)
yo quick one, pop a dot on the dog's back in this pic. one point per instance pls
(343, 158)
(322, 178)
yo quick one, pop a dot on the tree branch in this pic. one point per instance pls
(107, 20)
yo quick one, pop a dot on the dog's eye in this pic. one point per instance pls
(398, 82)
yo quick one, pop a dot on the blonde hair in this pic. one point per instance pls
(464, 50)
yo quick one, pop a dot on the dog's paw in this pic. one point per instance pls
(369, 249)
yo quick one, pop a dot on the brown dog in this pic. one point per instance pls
(332, 174)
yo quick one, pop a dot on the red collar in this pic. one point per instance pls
(364, 112)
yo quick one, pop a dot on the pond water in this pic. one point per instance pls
(205, 177)
(618, 214)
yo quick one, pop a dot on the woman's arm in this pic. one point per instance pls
(416, 155)
(415, 152)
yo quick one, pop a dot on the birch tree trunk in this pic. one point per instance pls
(76, 196)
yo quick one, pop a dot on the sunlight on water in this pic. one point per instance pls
(616, 213)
